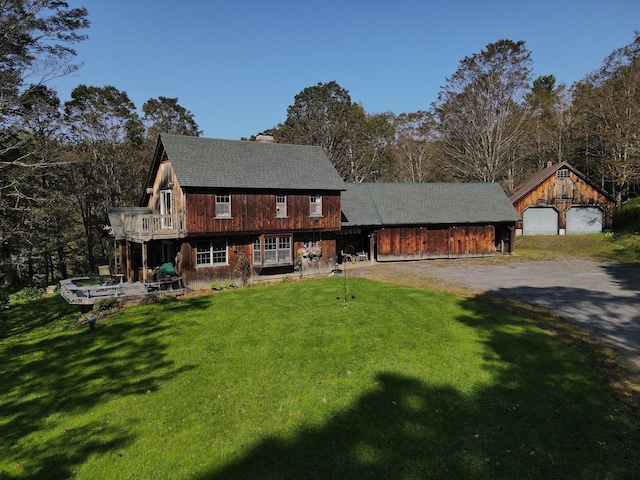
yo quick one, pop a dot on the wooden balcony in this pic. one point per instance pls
(146, 227)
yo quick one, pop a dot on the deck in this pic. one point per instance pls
(76, 294)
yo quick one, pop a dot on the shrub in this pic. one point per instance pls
(217, 286)
(627, 217)
(106, 304)
(243, 268)
(28, 293)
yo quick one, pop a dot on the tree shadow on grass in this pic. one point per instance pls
(542, 415)
(54, 373)
(614, 319)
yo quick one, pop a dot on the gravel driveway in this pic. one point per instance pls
(603, 298)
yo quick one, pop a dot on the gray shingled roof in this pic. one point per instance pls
(425, 203)
(215, 163)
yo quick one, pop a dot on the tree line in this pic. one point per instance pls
(62, 164)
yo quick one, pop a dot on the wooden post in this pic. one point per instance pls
(144, 262)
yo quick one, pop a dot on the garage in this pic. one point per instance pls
(540, 221)
(584, 220)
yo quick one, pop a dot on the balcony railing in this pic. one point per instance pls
(151, 227)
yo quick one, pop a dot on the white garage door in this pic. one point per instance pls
(584, 220)
(540, 221)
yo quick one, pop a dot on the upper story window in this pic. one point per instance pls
(166, 209)
(211, 253)
(281, 205)
(563, 173)
(315, 205)
(223, 206)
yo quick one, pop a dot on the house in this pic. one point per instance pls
(214, 208)
(558, 200)
(415, 221)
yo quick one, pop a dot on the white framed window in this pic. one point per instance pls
(564, 173)
(281, 205)
(166, 209)
(257, 252)
(223, 206)
(277, 251)
(315, 205)
(212, 253)
(284, 249)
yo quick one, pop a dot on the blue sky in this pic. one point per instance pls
(237, 65)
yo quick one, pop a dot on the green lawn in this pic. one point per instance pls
(286, 382)
(607, 247)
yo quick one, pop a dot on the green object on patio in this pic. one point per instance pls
(168, 269)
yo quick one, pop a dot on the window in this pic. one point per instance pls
(223, 206)
(281, 205)
(211, 253)
(315, 209)
(277, 251)
(168, 252)
(257, 252)
(564, 173)
(166, 209)
(284, 249)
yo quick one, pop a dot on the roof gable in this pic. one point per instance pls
(542, 175)
(233, 164)
(425, 203)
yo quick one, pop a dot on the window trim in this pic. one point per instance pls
(220, 202)
(256, 250)
(211, 253)
(272, 245)
(315, 206)
(166, 208)
(281, 206)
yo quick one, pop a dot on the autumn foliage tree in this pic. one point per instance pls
(480, 112)
(607, 106)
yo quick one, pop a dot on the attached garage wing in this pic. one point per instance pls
(540, 221)
(584, 220)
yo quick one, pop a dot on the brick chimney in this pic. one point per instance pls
(549, 164)
(262, 138)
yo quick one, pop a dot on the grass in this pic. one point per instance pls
(618, 247)
(284, 381)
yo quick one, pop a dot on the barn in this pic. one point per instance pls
(560, 200)
(416, 221)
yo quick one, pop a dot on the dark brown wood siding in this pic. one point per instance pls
(256, 213)
(564, 193)
(421, 243)
(200, 277)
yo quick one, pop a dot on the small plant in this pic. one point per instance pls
(149, 299)
(28, 293)
(298, 266)
(286, 279)
(106, 304)
(243, 268)
(218, 286)
(4, 298)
